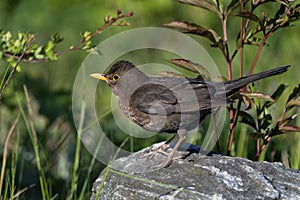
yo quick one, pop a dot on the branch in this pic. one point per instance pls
(14, 68)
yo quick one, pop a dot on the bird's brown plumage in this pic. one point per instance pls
(165, 104)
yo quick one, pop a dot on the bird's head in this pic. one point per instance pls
(115, 72)
(121, 75)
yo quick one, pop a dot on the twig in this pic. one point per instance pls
(14, 69)
(97, 32)
(262, 147)
(233, 122)
(74, 47)
(226, 53)
(23, 190)
(262, 43)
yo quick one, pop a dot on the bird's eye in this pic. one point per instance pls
(116, 77)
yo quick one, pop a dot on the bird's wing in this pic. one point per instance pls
(186, 96)
(194, 95)
(154, 99)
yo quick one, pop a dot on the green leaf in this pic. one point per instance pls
(275, 96)
(86, 35)
(266, 122)
(19, 68)
(205, 4)
(295, 93)
(232, 6)
(278, 92)
(49, 46)
(246, 118)
(56, 38)
(7, 37)
(87, 45)
(49, 51)
(38, 55)
(249, 15)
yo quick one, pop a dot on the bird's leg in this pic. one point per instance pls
(159, 149)
(181, 134)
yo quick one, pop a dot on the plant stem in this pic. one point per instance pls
(262, 43)
(5, 150)
(213, 118)
(97, 32)
(77, 153)
(12, 72)
(262, 147)
(33, 137)
(233, 122)
(226, 54)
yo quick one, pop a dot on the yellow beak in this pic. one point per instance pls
(99, 76)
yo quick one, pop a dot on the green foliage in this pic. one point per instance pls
(24, 48)
(264, 125)
(255, 28)
(50, 83)
(12, 48)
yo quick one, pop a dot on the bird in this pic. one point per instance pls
(171, 104)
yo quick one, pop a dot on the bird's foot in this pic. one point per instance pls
(167, 162)
(181, 133)
(159, 149)
(164, 164)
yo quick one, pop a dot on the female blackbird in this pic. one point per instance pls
(170, 105)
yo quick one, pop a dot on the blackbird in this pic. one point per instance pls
(168, 104)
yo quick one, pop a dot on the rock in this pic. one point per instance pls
(198, 176)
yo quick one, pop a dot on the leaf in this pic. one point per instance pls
(86, 35)
(219, 79)
(290, 128)
(170, 74)
(246, 118)
(278, 92)
(287, 120)
(49, 51)
(56, 38)
(275, 96)
(254, 41)
(257, 95)
(205, 4)
(266, 121)
(248, 102)
(38, 53)
(292, 103)
(197, 30)
(295, 93)
(232, 5)
(248, 15)
(191, 66)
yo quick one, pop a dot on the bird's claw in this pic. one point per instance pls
(153, 152)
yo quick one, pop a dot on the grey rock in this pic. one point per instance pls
(198, 176)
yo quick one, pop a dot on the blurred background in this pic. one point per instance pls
(50, 84)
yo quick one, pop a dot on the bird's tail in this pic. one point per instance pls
(233, 86)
